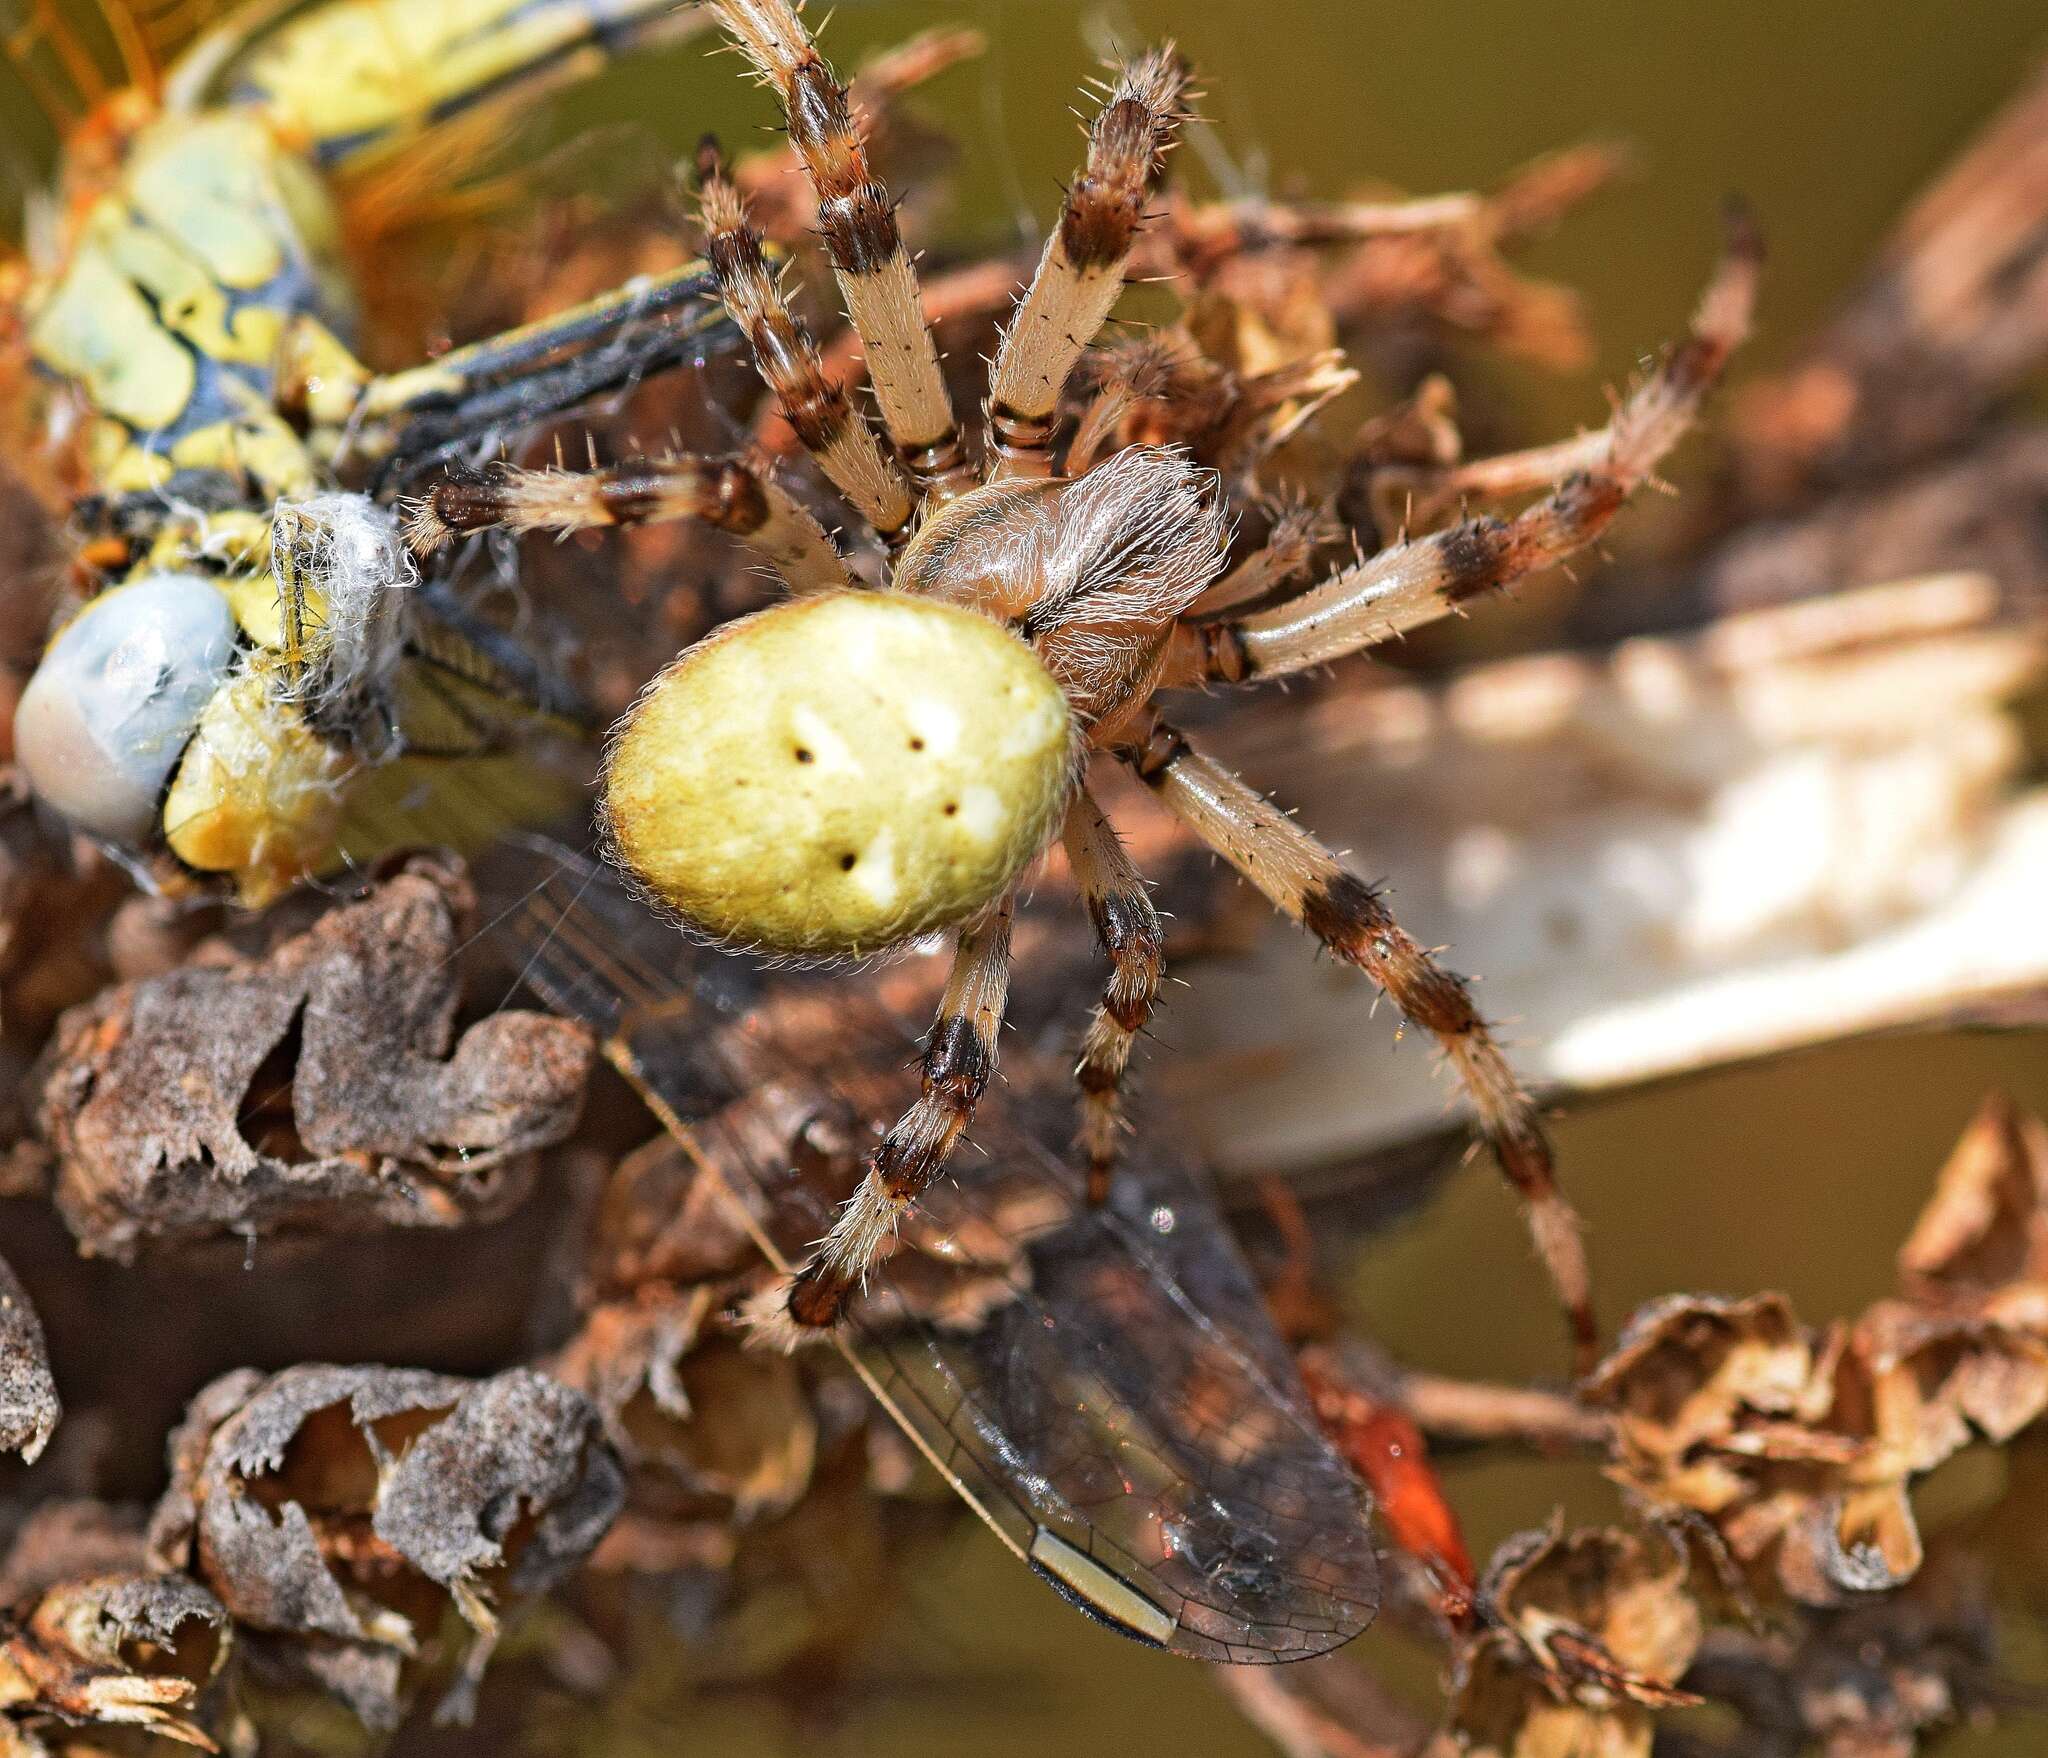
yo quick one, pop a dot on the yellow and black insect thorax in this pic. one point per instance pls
(187, 288)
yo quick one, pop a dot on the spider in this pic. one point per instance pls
(852, 769)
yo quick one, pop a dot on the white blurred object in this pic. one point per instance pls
(1795, 826)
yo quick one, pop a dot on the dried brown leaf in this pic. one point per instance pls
(68, 1540)
(326, 1088)
(1688, 1369)
(113, 1651)
(1587, 1634)
(730, 1428)
(1938, 1376)
(1987, 1222)
(346, 1510)
(29, 1407)
(1800, 1448)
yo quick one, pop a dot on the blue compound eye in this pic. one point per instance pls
(111, 708)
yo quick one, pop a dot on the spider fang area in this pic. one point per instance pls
(839, 773)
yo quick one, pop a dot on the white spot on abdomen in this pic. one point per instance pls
(935, 722)
(981, 814)
(875, 871)
(827, 749)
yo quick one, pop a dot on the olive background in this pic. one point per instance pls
(1802, 1175)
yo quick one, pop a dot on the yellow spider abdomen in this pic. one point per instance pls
(840, 773)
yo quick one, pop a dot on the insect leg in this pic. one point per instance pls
(724, 492)
(1081, 273)
(406, 422)
(1410, 584)
(1307, 883)
(1128, 928)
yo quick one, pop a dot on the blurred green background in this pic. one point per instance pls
(1827, 116)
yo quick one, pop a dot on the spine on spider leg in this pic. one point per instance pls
(858, 222)
(1410, 584)
(1081, 274)
(723, 492)
(818, 410)
(1305, 880)
(959, 1062)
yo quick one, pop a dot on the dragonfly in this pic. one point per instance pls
(1124, 1419)
(259, 668)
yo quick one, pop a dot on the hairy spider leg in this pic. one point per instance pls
(1307, 883)
(858, 221)
(728, 493)
(959, 1061)
(817, 408)
(1410, 584)
(1081, 272)
(1128, 929)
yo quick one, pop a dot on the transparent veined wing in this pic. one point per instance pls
(1123, 1417)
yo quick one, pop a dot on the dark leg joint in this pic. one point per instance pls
(1344, 913)
(1124, 930)
(738, 504)
(821, 125)
(1475, 555)
(903, 1169)
(817, 1299)
(1129, 1011)
(957, 1063)
(1525, 1157)
(1014, 432)
(859, 230)
(1585, 502)
(1099, 220)
(1162, 748)
(467, 500)
(942, 456)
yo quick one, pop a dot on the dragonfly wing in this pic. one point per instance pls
(1134, 1407)
(1124, 1418)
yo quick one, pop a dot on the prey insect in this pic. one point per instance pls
(258, 645)
(852, 769)
(1125, 1419)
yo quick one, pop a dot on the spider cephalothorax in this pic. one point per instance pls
(855, 767)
